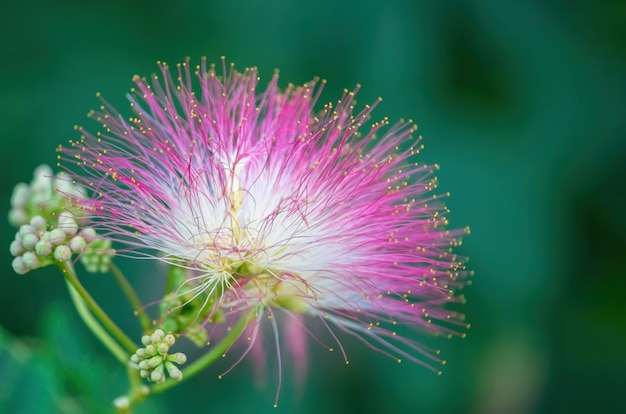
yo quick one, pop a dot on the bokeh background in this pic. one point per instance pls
(523, 105)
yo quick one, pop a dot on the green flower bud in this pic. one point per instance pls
(16, 248)
(163, 348)
(178, 357)
(68, 224)
(157, 375)
(19, 267)
(150, 350)
(146, 340)
(155, 361)
(169, 339)
(57, 237)
(77, 244)
(175, 373)
(29, 241)
(38, 223)
(20, 195)
(17, 217)
(43, 248)
(30, 260)
(62, 253)
(89, 234)
(26, 229)
(157, 336)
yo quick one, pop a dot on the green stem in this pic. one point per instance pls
(208, 358)
(95, 327)
(72, 279)
(132, 297)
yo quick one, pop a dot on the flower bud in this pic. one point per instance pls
(16, 248)
(43, 248)
(157, 375)
(175, 373)
(163, 348)
(57, 237)
(17, 217)
(26, 229)
(157, 336)
(20, 195)
(41, 179)
(178, 357)
(29, 241)
(77, 244)
(62, 253)
(30, 260)
(146, 340)
(89, 234)
(169, 339)
(155, 361)
(38, 223)
(68, 224)
(19, 267)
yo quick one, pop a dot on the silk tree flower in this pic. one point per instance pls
(268, 205)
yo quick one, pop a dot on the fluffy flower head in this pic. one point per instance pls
(266, 204)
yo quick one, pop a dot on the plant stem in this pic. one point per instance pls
(131, 296)
(95, 327)
(72, 279)
(207, 358)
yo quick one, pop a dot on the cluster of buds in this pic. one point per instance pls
(46, 195)
(35, 246)
(154, 359)
(48, 230)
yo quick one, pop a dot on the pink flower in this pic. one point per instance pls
(271, 205)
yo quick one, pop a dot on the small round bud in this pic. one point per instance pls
(26, 229)
(157, 376)
(41, 179)
(42, 172)
(30, 260)
(175, 373)
(141, 353)
(169, 339)
(16, 248)
(144, 373)
(155, 361)
(150, 350)
(178, 357)
(29, 241)
(57, 236)
(19, 267)
(146, 340)
(89, 234)
(19, 197)
(144, 364)
(163, 348)
(17, 217)
(62, 253)
(68, 224)
(77, 244)
(43, 248)
(157, 336)
(38, 223)
(135, 358)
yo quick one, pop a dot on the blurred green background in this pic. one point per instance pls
(523, 105)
